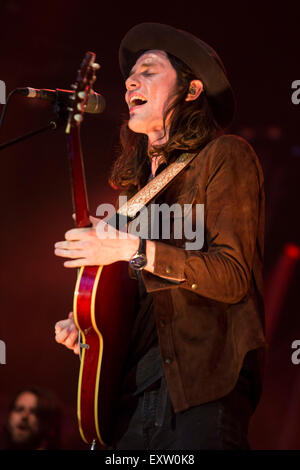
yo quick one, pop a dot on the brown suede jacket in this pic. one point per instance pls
(207, 323)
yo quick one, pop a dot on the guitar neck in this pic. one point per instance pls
(79, 193)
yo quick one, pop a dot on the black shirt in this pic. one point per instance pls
(143, 364)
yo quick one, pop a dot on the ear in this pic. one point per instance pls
(195, 90)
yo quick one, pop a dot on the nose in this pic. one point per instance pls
(25, 414)
(132, 82)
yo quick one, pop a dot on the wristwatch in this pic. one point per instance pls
(139, 260)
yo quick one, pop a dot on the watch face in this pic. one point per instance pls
(138, 262)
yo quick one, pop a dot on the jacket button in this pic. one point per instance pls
(168, 360)
(168, 269)
(194, 286)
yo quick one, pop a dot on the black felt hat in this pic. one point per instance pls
(199, 56)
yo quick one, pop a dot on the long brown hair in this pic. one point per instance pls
(192, 125)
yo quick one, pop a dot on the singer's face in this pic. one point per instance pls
(150, 85)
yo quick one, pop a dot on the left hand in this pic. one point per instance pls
(96, 246)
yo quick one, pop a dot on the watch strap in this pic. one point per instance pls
(139, 259)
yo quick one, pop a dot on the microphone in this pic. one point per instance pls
(95, 103)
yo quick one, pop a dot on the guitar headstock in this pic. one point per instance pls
(82, 87)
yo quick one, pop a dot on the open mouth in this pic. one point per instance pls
(23, 428)
(136, 100)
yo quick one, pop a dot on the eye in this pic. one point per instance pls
(147, 74)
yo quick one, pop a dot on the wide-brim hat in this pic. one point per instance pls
(201, 58)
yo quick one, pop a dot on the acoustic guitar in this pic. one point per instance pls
(103, 299)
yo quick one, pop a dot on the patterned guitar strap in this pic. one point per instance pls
(131, 208)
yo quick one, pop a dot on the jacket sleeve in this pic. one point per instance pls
(232, 202)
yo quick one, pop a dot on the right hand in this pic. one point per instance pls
(66, 333)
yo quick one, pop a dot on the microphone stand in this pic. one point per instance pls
(52, 125)
(59, 108)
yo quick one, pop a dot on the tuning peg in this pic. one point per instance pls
(96, 66)
(81, 107)
(82, 95)
(78, 118)
(73, 86)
